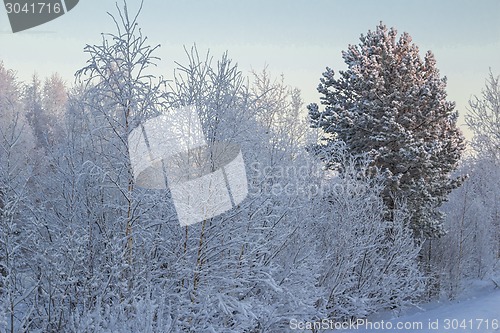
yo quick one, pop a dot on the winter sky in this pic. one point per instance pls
(297, 38)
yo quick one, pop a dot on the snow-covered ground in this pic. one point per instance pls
(477, 311)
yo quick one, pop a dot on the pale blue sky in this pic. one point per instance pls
(298, 38)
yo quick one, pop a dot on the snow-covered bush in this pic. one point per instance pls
(368, 263)
(471, 248)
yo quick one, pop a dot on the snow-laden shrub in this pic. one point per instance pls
(368, 262)
(470, 249)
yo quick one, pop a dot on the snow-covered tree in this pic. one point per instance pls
(471, 247)
(120, 93)
(367, 263)
(392, 104)
(483, 119)
(35, 113)
(54, 98)
(18, 281)
(238, 263)
(45, 107)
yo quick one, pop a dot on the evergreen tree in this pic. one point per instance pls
(391, 104)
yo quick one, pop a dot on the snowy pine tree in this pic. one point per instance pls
(392, 104)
